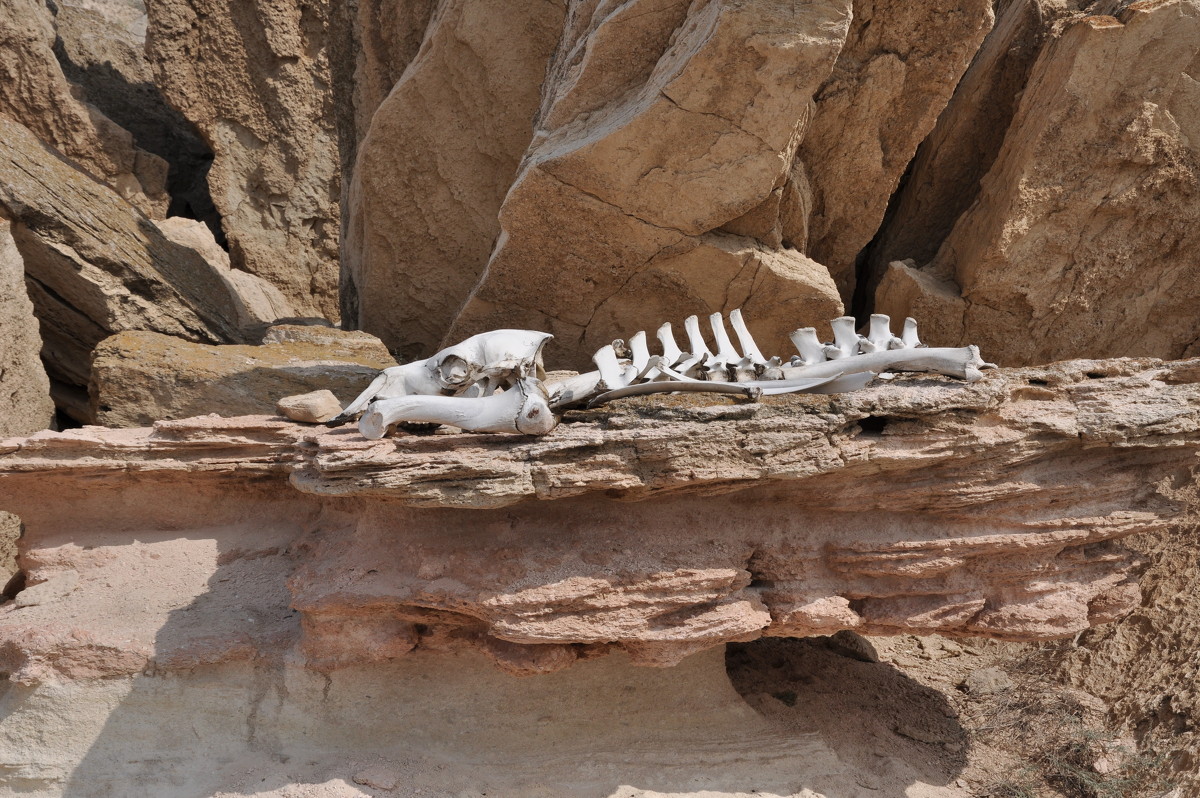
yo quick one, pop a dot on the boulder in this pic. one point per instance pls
(256, 78)
(95, 265)
(139, 378)
(901, 63)
(314, 407)
(423, 216)
(1081, 240)
(944, 176)
(653, 136)
(39, 96)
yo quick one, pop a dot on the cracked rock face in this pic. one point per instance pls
(1080, 241)
(993, 509)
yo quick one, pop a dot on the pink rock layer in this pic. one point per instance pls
(660, 526)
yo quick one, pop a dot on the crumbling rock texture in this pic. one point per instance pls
(893, 77)
(645, 146)
(38, 95)
(1081, 240)
(421, 228)
(255, 77)
(991, 509)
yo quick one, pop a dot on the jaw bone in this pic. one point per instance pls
(521, 409)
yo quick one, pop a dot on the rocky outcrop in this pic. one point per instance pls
(944, 176)
(901, 62)
(256, 79)
(100, 46)
(95, 265)
(423, 218)
(989, 509)
(1080, 240)
(38, 95)
(25, 404)
(142, 377)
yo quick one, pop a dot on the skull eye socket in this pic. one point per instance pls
(454, 370)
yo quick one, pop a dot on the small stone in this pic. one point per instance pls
(314, 407)
(986, 681)
(381, 777)
(853, 645)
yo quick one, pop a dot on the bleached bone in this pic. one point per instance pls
(523, 408)
(879, 335)
(476, 367)
(808, 345)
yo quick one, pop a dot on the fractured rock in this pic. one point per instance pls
(38, 95)
(95, 265)
(314, 407)
(25, 403)
(255, 77)
(901, 62)
(423, 216)
(142, 377)
(651, 137)
(1080, 241)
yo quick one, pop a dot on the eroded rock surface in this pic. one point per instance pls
(256, 79)
(38, 95)
(990, 509)
(1081, 240)
(901, 62)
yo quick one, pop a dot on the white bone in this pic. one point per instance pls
(640, 354)
(808, 345)
(472, 367)
(745, 340)
(909, 336)
(695, 339)
(612, 372)
(725, 351)
(879, 337)
(963, 362)
(845, 337)
(521, 409)
(671, 350)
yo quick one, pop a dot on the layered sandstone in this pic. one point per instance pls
(1079, 242)
(990, 509)
(141, 377)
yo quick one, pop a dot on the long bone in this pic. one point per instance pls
(523, 408)
(474, 367)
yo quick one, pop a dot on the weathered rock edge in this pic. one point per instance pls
(923, 505)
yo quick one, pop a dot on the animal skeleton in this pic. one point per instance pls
(496, 382)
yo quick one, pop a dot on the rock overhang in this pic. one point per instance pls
(660, 526)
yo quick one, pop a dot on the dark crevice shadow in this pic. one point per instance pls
(158, 128)
(869, 712)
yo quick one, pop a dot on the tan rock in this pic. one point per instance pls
(101, 47)
(39, 96)
(651, 136)
(314, 407)
(142, 377)
(25, 404)
(423, 216)
(944, 176)
(901, 62)
(1079, 242)
(94, 265)
(276, 175)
